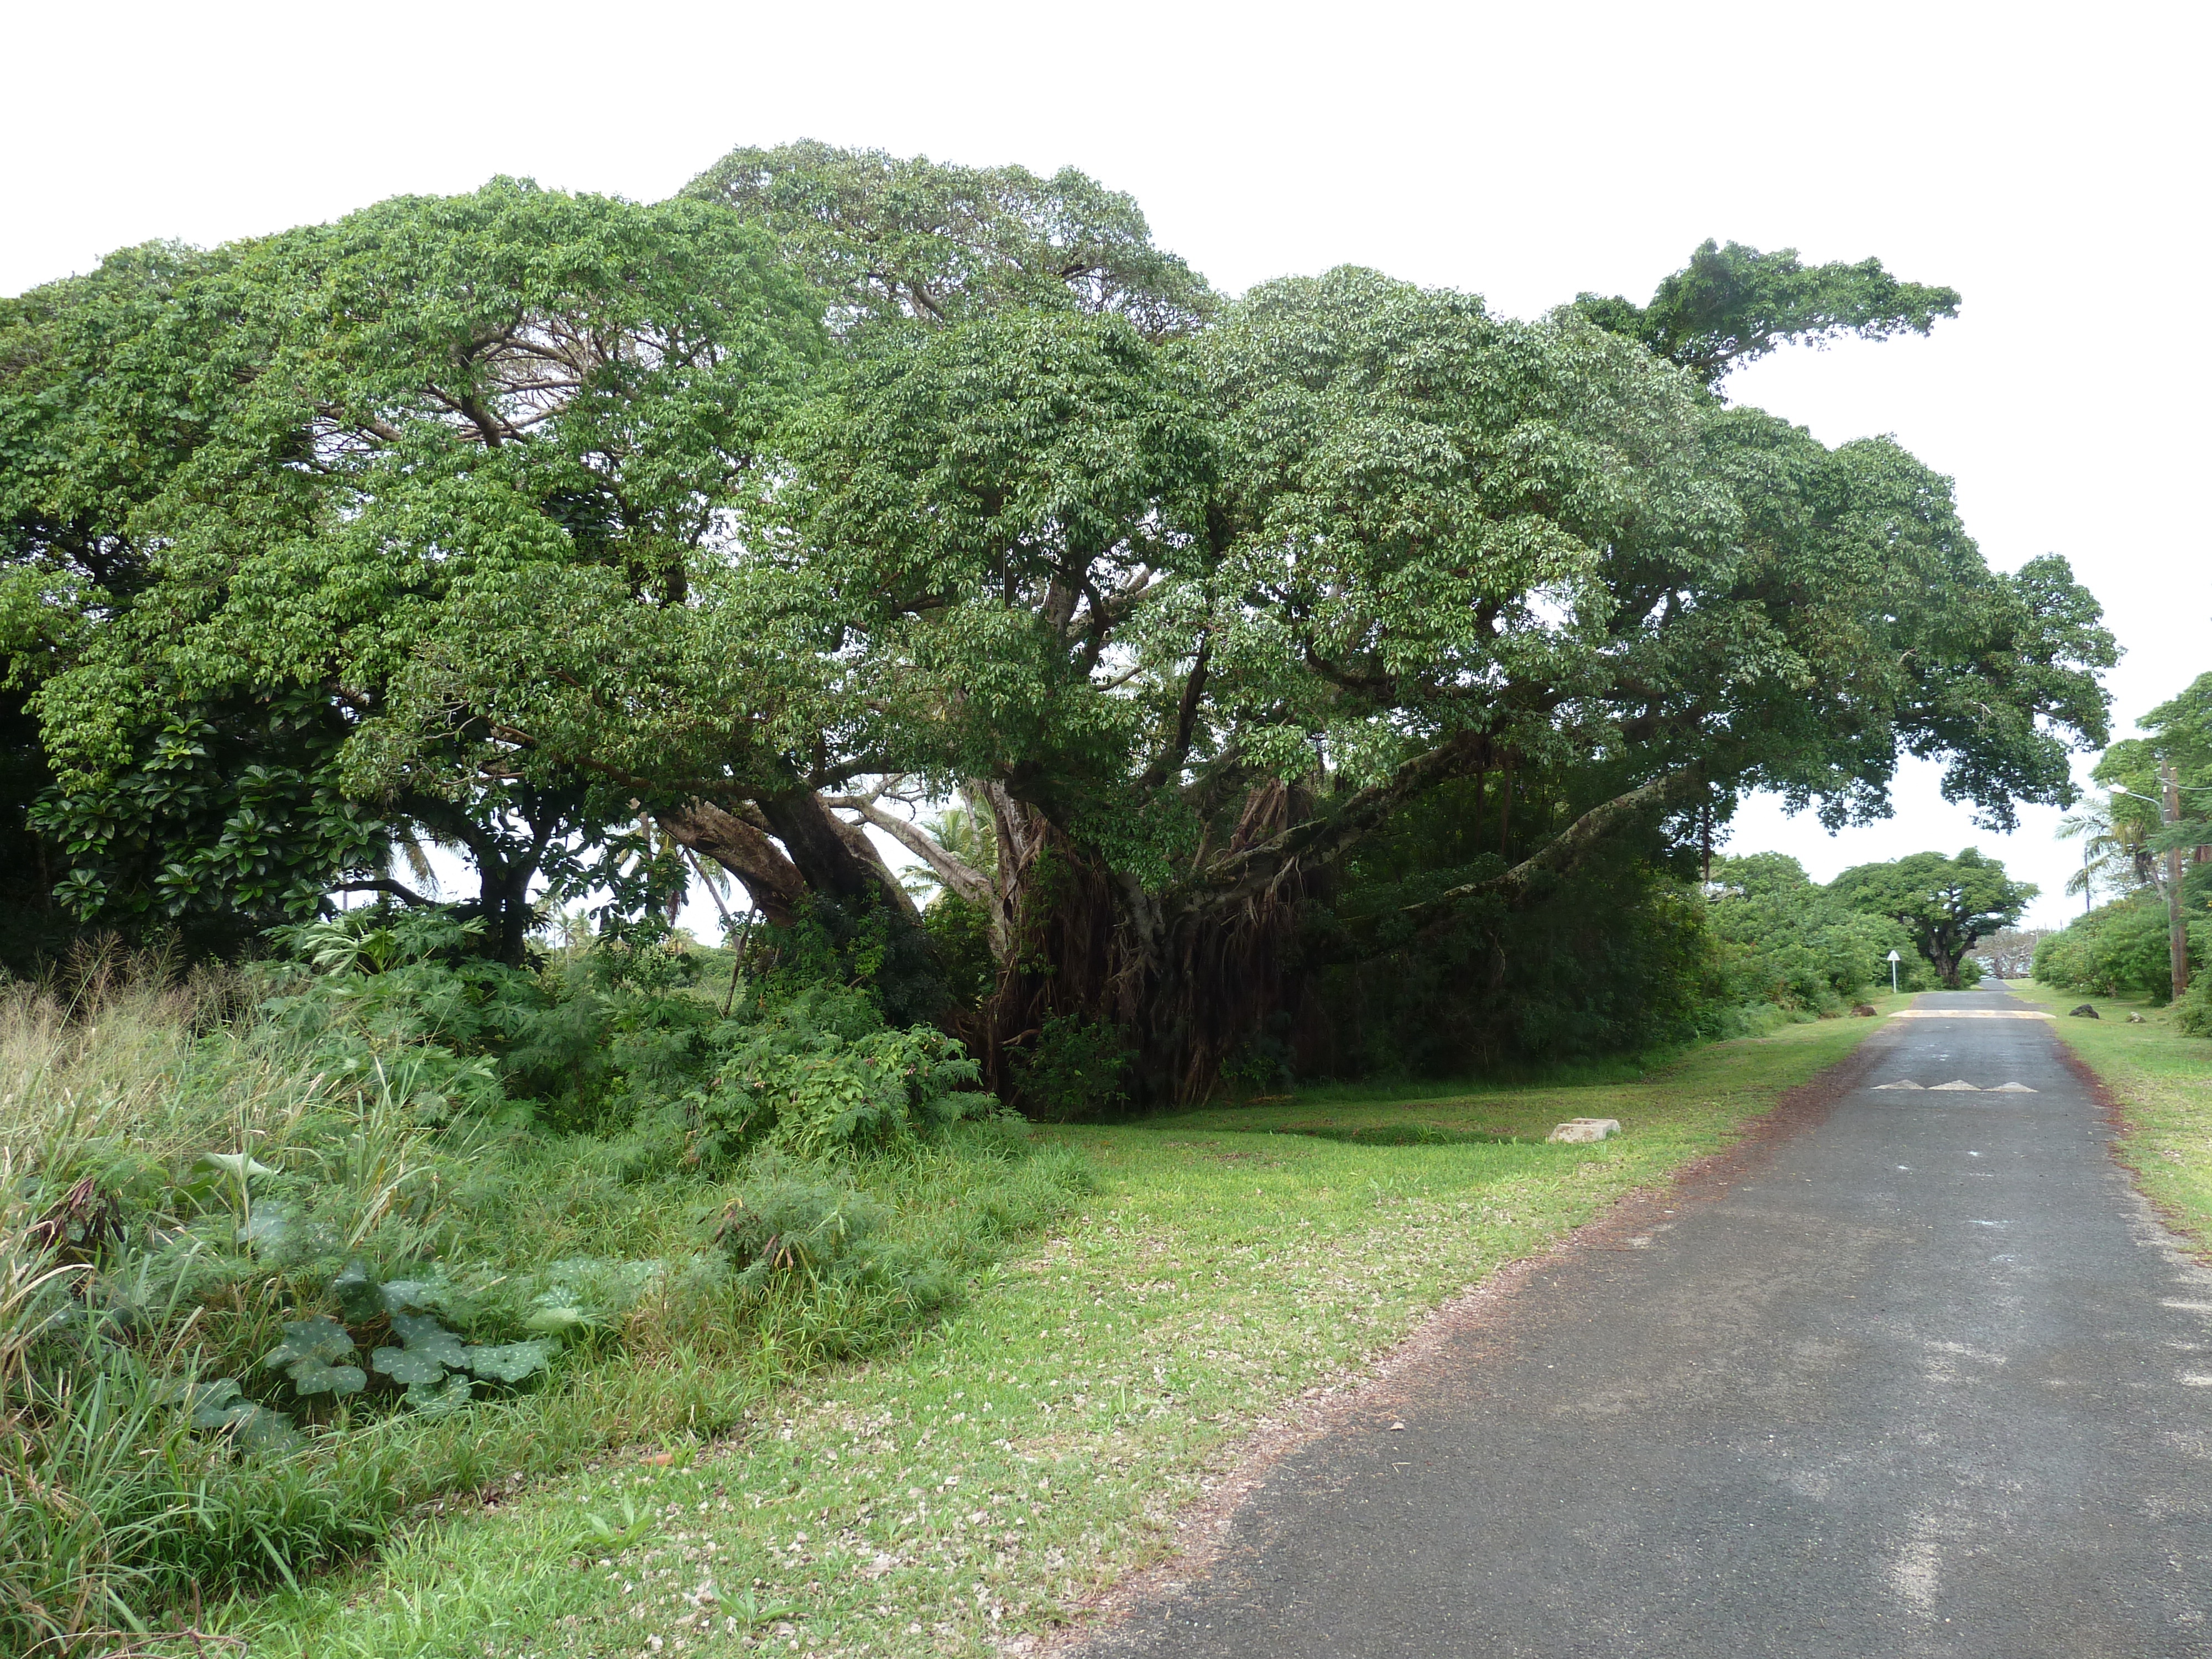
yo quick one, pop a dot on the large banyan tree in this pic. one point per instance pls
(844, 487)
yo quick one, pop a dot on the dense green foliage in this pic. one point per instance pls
(1732, 306)
(268, 1279)
(360, 436)
(1397, 983)
(1786, 939)
(2156, 857)
(1947, 905)
(1342, 679)
(569, 534)
(2120, 949)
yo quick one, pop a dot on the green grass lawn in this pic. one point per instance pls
(983, 1482)
(2163, 1080)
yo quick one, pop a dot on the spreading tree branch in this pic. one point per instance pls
(963, 878)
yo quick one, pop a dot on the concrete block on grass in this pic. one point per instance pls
(1586, 1129)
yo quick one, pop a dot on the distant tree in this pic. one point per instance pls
(2116, 832)
(1733, 304)
(2176, 733)
(2009, 953)
(2162, 783)
(1948, 905)
(1785, 938)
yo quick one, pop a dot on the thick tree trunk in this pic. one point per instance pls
(1186, 976)
(1191, 974)
(771, 881)
(837, 859)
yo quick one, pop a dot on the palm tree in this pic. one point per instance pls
(2116, 850)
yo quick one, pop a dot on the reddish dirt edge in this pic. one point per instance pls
(1201, 1529)
(2116, 1113)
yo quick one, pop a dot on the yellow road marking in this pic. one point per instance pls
(1970, 1013)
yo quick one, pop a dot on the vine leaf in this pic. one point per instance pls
(307, 1356)
(558, 1320)
(313, 1377)
(269, 1226)
(219, 1405)
(238, 1165)
(436, 1399)
(412, 1366)
(211, 1403)
(401, 1294)
(360, 1296)
(425, 1335)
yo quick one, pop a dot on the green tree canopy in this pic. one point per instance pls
(845, 485)
(903, 237)
(1731, 305)
(1786, 939)
(385, 414)
(2176, 734)
(1947, 905)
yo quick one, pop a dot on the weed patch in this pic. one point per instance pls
(270, 1288)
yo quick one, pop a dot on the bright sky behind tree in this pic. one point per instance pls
(2051, 165)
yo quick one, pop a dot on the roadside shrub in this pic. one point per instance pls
(2193, 1013)
(801, 1084)
(2120, 949)
(785, 1221)
(1784, 938)
(832, 1261)
(1075, 1069)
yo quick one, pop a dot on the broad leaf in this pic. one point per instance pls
(238, 1165)
(509, 1362)
(314, 1377)
(360, 1298)
(425, 1335)
(410, 1366)
(321, 1338)
(213, 1404)
(436, 1399)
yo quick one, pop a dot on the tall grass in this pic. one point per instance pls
(125, 1284)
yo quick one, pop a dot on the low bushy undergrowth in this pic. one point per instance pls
(2122, 949)
(2192, 1015)
(1784, 942)
(269, 1280)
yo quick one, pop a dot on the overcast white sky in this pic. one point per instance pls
(2051, 164)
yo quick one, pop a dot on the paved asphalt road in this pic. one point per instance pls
(1927, 1380)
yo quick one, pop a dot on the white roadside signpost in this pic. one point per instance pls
(1893, 960)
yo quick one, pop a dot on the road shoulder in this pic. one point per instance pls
(2159, 1081)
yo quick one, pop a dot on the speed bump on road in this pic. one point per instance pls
(1971, 1013)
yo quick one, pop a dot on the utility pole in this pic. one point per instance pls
(2177, 929)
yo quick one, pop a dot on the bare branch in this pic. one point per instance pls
(385, 885)
(964, 879)
(1171, 758)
